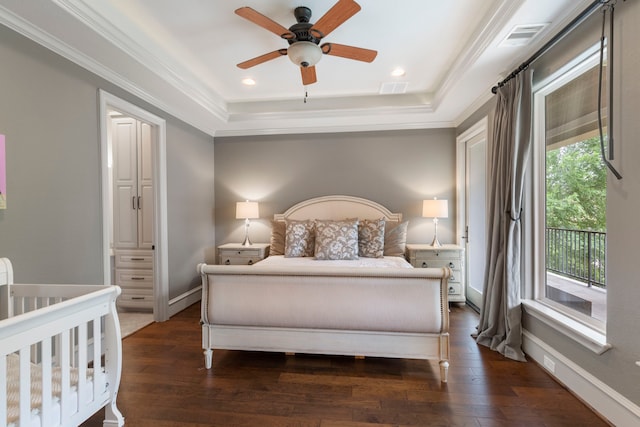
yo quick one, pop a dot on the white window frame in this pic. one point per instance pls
(581, 328)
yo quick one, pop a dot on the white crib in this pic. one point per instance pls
(60, 353)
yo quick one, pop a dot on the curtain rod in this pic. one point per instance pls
(577, 20)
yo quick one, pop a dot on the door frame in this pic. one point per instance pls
(480, 127)
(159, 149)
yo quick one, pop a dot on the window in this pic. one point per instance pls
(571, 192)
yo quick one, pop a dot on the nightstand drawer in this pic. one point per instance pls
(454, 288)
(239, 260)
(426, 262)
(237, 254)
(240, 252)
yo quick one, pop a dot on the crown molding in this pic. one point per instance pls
(170, 72)
(491, 26)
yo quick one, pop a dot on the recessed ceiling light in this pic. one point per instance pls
(248, 81)
(398, 72)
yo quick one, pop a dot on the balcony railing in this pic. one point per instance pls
(577, 254)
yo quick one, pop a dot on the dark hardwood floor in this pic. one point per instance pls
(164, 383)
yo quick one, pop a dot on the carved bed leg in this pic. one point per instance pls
(208, 358)
(444, 370)
(112, 416)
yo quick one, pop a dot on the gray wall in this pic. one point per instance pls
(617, 366)
(396, 169)
(52, 228)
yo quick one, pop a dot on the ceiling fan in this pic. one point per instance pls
(304, 38)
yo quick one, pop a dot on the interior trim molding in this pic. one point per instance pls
(160, 254)
(480, 41)
(615, 408)
(185, 300)
(170, 72)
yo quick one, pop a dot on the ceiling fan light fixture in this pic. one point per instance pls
(304, 54)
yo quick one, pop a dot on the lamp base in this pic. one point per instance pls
(246, 242)
(436, 243)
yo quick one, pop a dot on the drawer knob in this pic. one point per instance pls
(424, 265)
(452, 278)
(227, 262)
(451, 265)
(137, 259)
(452, 290)
(250, 262)
(137, 278)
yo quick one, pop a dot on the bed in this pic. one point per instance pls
(323, 303)
(60, 353)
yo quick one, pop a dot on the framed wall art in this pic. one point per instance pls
(3, 174)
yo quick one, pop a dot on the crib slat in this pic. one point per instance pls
(3, 391)
(82, 363)
(65, 374)
(97, 356)
(25, 385)
(47, 370)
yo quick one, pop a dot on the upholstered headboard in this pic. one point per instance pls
(338, 207)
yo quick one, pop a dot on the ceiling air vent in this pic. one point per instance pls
(393, 88)
(522, 34)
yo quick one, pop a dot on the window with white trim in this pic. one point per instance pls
(570, 187)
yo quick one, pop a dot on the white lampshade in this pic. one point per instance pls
(304, 54)
(435, 208)
(247, 209)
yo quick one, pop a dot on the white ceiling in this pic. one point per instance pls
(181, 56)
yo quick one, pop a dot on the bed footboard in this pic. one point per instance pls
(376, 312)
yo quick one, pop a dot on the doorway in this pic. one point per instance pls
(472, 190)
(154, 129)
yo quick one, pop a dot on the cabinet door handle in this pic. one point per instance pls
(138, 298)
(133, 203)
(139, 203)
(137, 259)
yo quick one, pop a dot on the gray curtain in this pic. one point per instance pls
(500, 326)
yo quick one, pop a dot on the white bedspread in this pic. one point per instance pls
(385, 262)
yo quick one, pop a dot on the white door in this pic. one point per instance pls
(125, 183)
(476, 217)
(471, 165)
(145, 187)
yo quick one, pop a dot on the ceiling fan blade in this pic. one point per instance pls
(350, 52)
(262, 58)
(266, 23)
(308, 75)
(340, 12)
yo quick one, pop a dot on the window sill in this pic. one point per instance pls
(593, 340)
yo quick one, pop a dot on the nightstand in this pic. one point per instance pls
(452, 256)
(236, 254)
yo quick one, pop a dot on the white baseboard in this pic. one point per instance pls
(179, 303)
(611, 405)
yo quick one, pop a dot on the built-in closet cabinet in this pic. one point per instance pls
(133, 211)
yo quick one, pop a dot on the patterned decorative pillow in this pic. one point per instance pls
(278, 232)
(299, 238)
(371, 238)
(395, 238)
(336, 239)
